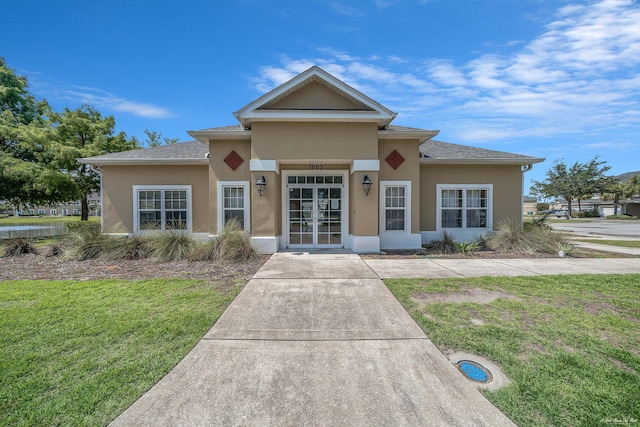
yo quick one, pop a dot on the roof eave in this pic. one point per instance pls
(494, 161)
(147, 162)
(421, 135)
(207, 135)
(316, 116)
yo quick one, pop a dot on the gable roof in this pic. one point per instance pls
(186, 153)
(196, 152)
(446, 152)
(265, 107)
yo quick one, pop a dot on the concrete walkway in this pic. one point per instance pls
(471, 267)
(314, 340)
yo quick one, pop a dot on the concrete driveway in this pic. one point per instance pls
(314, 340)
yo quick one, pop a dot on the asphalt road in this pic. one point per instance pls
(611, 229)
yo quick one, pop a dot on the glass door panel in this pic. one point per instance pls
(315, 214)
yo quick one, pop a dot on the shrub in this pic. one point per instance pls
(54, 250)
(565, 247)
(19, 246)
(233, 244)
(468, 247)
(622, 217)
(531, 239)
(446, 245)
(84, 228)
(129, 247)
(174, 245)
(87, 242)
(207, 251)
(540, 221)
(592, 213)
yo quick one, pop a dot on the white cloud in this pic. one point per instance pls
(580, 75)
(101, 98)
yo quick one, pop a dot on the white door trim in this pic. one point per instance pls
(344, 229)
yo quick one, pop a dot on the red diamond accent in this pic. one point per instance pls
(233, 160)
(395, 159)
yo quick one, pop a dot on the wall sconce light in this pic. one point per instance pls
(261, 183)
(366, 185)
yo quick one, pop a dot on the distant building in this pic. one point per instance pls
(72, 208)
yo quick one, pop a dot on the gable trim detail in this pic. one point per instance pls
(258, 109)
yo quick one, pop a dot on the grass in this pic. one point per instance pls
(621, 243)
(36, 220)
(569, 344)
(79, 353)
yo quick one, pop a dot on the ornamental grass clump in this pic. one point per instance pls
(468, 247)
(174, 245)
(446, 245)
(530, 239)
(87, 242)
(54, 250)
(129, 247)
(19, 246)
(233, 244)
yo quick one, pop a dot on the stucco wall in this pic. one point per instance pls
(409, 170)
(507, 188)
(314, 141)
(220, 171)
(118, 182)
(316, 96)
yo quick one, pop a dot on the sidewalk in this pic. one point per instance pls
(314, 340)
(471, 267)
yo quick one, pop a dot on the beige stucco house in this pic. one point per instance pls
(314, 163)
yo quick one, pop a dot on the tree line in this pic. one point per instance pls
(581, 181)
(39, 147)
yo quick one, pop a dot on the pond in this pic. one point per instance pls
(32, 230)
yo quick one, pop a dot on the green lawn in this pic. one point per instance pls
(569, 344)
(79, 353)
(35, 220)
(622, 243)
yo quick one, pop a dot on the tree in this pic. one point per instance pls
(615, 191)
(83, 133)
(155, 139)
(572, 183)
(633, 185)
(24, 129)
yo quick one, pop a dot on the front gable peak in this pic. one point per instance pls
(315, 95)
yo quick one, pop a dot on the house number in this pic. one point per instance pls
(315, 167)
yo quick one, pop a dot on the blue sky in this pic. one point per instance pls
(547, 78)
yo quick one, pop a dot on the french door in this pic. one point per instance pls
(315, 212)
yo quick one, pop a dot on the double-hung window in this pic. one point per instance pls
(464, 206)
(162, 207)
(233, 203)
(395, 207)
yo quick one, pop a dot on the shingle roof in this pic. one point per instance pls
(190, 150)
(196, 152)
(439, 150)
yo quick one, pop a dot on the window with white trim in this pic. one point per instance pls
(162, 207)
(463, 206)
(395, 207)
(233, 203)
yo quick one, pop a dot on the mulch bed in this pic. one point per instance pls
(38, 267)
